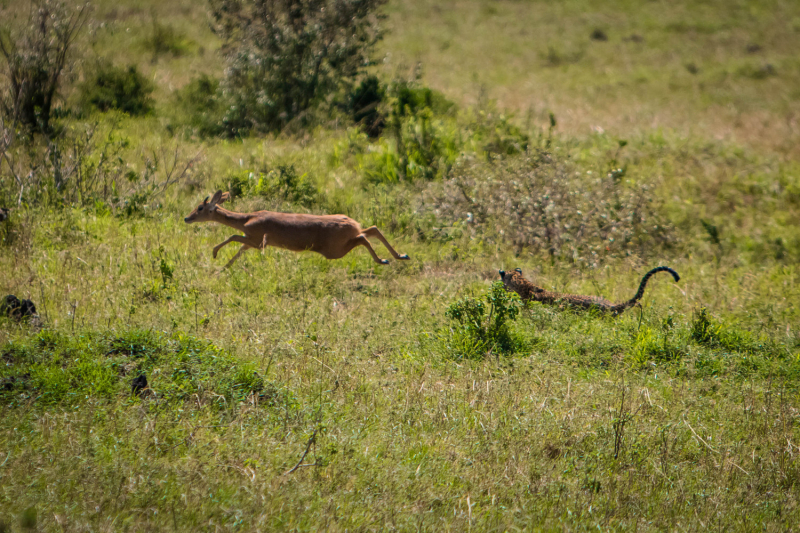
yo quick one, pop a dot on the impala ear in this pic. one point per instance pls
(225, 196)
(216, 199)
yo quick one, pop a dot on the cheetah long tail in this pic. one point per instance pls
(630, 303)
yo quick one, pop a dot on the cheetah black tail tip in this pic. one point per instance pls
(675, 275)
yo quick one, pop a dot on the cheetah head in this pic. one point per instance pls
(512, 280)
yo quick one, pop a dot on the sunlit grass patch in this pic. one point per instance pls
(53, 368)
(398, 392)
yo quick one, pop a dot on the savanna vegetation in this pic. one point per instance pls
(584, 142)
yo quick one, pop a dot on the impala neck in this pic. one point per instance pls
(231, 218)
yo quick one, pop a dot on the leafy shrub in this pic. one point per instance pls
(381, 164)
(409, 98)
(424, 142)
(88, 166)
(538, 203)
(495, 133)
(286, 58)
(284, 183)
(280, 184)
(240, 184)
(165, 39)
(427, 148)
(480, 325)
(363, 105)
(202, 107)
(427, 134)
(111, 87)
(424, 148)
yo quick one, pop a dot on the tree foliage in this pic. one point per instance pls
(113, 87)
(285, 57)
(36, 53)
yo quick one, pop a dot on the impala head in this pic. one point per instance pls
(205, 211)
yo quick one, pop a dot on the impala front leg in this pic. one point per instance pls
(235, 238)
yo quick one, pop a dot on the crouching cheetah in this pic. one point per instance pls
(514, 281)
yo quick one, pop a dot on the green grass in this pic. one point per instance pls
(539, 56)
(56, 369)
(681, 414)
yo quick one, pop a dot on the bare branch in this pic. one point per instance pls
(36, 54)
(300, 464)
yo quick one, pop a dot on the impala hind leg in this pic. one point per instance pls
(375, 232)
(235, 238)
(361, 240)
(236, 256)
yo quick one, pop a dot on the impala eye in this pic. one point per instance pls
(200, 208)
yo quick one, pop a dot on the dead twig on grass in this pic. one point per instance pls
(300, 464)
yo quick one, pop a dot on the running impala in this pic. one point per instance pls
(333, 236)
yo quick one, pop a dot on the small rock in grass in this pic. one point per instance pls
(599, 35)
(753, 48)
(139, 384)
(16, 308)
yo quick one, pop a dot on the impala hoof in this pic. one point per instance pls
(384, 262)
(404, 256)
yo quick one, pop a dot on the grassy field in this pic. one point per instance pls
(695, 68)
(295, 393)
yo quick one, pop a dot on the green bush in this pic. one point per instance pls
(111, 87)
(201, 107)
(363, 104)
(541, 203)
(165, 39)
(480, 325)
(408, 99)
(281, 184)
(427, 147)
(494, 133)
(285, 59)
(427, 134)
(423, 141)
(427, 140)
(285, 184)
